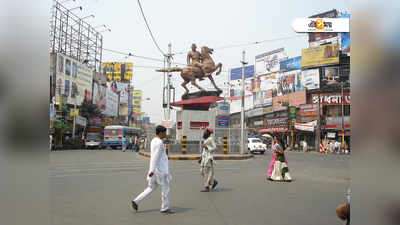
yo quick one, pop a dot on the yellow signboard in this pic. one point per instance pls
(117, 71)
(74, 112)
(137, 102)
(320, 55)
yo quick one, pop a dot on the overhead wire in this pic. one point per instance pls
(148, 27)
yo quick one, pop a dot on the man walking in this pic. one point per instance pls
(158, 172)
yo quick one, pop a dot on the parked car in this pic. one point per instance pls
(256, 145)
(94, 141)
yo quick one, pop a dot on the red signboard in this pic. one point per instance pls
(179, 125)
(198, 125)
(331, 98)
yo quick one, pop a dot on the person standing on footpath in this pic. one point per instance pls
(158, 174)
(207, 160)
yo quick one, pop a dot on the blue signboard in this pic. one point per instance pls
(345, 36)
(222, 123)
(291, 64)
(236, 73)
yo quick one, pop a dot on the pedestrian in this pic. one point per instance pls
(158, 174)
(305, 146)
(280, 170)
(51, 141)
(136, 144)
(207, 160)
(123, 144)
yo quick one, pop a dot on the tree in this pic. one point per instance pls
(89, 110)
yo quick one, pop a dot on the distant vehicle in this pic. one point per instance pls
(94, 141)
(115, 135)
(256, 145)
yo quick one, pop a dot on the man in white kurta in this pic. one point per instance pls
(158, 174)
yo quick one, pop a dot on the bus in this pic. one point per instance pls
(113, 135)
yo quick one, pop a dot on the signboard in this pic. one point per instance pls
(331, 75)
(306, 126)
(310, 79)
(309, 110)
(269, 61)
(222, 123)
(268, 109)
(255, 112)
(331, 135)
(73, 80)
(136, 102)
(292, 112)
(286, 82)
(331, 99)
(52, 111)
(345, 38)
(99, 97)
(319, 36)
(118, 71)
(321, 55)
(281, 122)
(236, 73)
(123, 90)
(293, 99)
(81, 120)
(167, 124)
(111, 103)
(291, 64)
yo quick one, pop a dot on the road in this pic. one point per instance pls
(95, 187)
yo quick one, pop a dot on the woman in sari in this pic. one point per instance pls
(278, 169)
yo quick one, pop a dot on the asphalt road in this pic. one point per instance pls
(95, 187)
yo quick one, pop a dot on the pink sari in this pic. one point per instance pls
(272, 163)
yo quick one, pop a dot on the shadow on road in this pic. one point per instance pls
(222, 190)
(176, 209)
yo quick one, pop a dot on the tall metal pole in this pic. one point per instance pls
(242, 136)
(318, 129)
(169, 58)
(73, 129)
(342, 116)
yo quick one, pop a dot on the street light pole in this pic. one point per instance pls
(341, 83)
(242, 140)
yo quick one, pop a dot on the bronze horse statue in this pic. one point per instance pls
(198, 70)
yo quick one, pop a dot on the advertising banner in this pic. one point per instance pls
(321, 55)
(122, 89)
(269, 61)
(306, 126)
(267, 86)
(331, 75)
(287, 82)
(292, 99)
(320, 36)
(291, 64)
(281, 122)
(111, 103)
(118, 71)
(310, 79)
(236, 73)
(73, 80)
(137, 102)
(99, 97)
(308, 110)
(331, 99)
(345, 38)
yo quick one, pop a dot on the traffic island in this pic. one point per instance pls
(197, 156)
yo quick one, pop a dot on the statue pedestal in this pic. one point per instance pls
(200, 94)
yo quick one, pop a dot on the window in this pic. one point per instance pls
(68, 67)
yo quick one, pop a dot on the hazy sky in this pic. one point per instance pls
(207, 22)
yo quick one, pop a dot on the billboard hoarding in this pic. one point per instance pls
(321, 55)
(310, 79)
(236, 73)
(118, 71)
(345, 38)
(293, 99)
(99, 97)
(137, 102)
(269, 61)
(320, 36)
(111, 103)
(291, 64)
